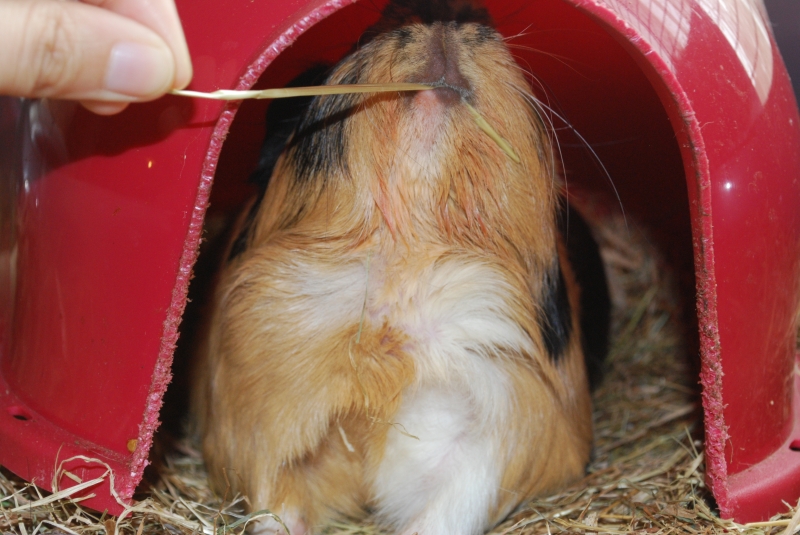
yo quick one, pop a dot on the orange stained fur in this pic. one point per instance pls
(330, 323)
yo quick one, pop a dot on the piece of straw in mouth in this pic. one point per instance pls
(491, 132)
(309, 91)
(341, 89)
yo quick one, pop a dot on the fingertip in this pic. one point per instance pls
(183, 72)
(101, 107)
(163, 18)
(141, 71)
(183, 60)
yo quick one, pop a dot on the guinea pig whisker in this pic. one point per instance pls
(523, 33)
(586, 144)
(547, 122)
(535, 80)
(564, 60)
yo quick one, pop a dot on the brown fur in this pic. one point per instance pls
(282, 392)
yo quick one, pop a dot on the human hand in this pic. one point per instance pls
(103, 53)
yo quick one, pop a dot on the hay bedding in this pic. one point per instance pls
(646, 476)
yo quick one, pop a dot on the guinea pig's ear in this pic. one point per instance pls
(283, 116)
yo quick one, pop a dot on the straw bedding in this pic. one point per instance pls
(646, 476)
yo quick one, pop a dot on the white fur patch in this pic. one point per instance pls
(319, 297)
(446, 479)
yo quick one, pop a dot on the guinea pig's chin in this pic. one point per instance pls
(429, 116)
(433, 104)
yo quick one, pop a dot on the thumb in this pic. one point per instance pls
(73, 50)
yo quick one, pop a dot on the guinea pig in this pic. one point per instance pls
(397, 330)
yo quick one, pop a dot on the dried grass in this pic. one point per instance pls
(343, 89)
(646, 476)
(309, 91)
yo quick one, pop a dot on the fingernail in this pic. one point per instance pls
(138, 70)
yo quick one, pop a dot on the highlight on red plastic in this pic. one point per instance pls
(685, 102)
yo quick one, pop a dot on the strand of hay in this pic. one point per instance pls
(343, 89)
(647, 476)
(491, 132)
(308, 91)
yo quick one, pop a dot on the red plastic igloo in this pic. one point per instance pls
(686, 103)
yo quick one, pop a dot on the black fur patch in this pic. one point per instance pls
(402, 12)
(584, 257)
(485, 33)
(557, 314)
(239, 245)
(403, 36)
(282, 118)
(319, 145)
(430, 11)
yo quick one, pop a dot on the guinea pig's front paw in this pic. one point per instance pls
(270, 526)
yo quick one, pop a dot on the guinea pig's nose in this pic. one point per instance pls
(441, 65)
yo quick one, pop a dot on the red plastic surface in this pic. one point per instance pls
(685, 102)
(776, 475)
